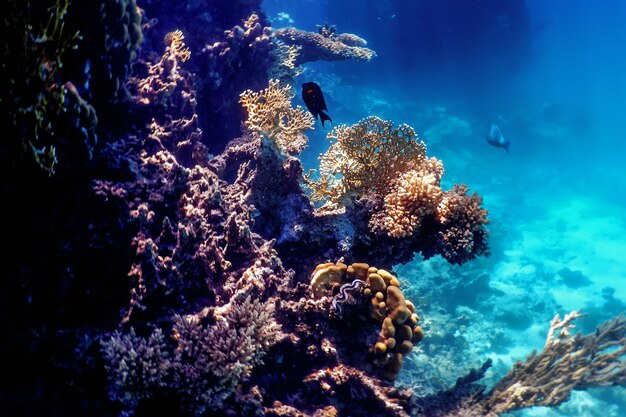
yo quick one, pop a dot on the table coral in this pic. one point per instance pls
(325, 46)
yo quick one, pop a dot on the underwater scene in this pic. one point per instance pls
(313, 208)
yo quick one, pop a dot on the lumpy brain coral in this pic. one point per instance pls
(399, 321)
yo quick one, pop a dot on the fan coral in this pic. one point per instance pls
(270, 114)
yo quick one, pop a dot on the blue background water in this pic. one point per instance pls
(552, 75)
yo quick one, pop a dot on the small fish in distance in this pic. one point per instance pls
(314, 99)
(495, 138)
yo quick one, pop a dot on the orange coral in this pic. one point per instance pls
(463, 219)
(366, 157)
(176, 45)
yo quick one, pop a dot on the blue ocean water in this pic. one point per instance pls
(552, 76)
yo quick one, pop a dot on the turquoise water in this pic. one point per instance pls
(552, 75)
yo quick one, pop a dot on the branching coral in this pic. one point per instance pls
(366, 158)
(326, 45)
(566, 363)
(168, 89)
(463, 235)
(136, 366)
(285, 68)
(414, 195)
(211, 360)
(164, 76)
(270, 114)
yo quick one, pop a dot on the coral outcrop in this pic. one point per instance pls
(387, 305)
(379, 177)
(271, 115)
(325, 45)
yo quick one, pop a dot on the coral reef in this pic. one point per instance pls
(151, 277)
(326, 45)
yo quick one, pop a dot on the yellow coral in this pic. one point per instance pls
(270, 114)
(366, 157)
(176, 45)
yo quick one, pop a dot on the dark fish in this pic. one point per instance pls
(495, 138)
(314, 100)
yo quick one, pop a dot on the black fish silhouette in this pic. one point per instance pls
(314, 100)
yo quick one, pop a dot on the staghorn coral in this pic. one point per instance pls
(327, 45)
(566, 363)
(136, 366)
(270, 114)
